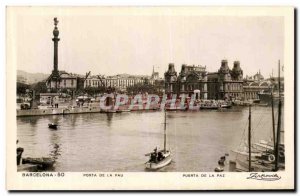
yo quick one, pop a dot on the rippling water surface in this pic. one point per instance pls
(118, 142)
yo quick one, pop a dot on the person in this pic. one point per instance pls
(160, 156)
(54, 101)
(19, 153)
(155, 155)
(51, 101)
(152, 157)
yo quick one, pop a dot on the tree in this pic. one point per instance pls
(39, 87)
(92, 91)
(143, 88)
(21, 88)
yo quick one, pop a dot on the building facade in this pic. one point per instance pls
(252, 89)
(92, 81)
(191, 79)
(64, 81)
(226, 83)
(171, 86)
(120, 82)
(256, 85)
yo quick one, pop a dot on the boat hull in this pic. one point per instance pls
(52, 126)
(209, 107)
(226, 106)
(121, 111)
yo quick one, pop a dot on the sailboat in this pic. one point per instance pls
(159, 158)
(265, 157)
(256, 157)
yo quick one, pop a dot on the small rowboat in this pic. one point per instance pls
(219, 169)
(43, 162)
(52, 126)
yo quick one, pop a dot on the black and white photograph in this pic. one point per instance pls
(146, 93)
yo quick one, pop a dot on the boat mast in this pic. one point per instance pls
(165, 135)
(273, 120)
(278, 122)
(249, 137)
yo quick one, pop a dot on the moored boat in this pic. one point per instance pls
(161, 158)
(52, 126)
(120, 111)
(225, 106)
(42, 163)
(267, 156)
(209, 107)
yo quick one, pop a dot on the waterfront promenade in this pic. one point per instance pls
(86, 108)
(124, 105)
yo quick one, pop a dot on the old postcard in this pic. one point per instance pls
(150, 98)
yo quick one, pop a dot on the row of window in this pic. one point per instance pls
(123, 83)
(234, 86)
(71, 83)
(251, 95)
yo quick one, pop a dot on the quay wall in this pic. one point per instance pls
(56, 111)
(76, 110)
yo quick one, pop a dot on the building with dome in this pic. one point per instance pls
(252, 89)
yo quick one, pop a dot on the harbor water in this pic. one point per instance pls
(118, 142)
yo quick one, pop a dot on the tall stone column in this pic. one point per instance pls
(55, 39)
(55, 74)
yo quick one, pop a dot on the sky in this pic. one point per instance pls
(110, 44)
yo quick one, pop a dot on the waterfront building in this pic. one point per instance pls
(223, 84)
(254, 85)
(171, 86)
(122, 81)
(191, 79)
(252, 89)
(92, 81)
(65, 81)
(226, 83)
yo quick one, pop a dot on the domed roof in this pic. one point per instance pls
(258, 76)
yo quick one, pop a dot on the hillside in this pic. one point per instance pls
(30, 78)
